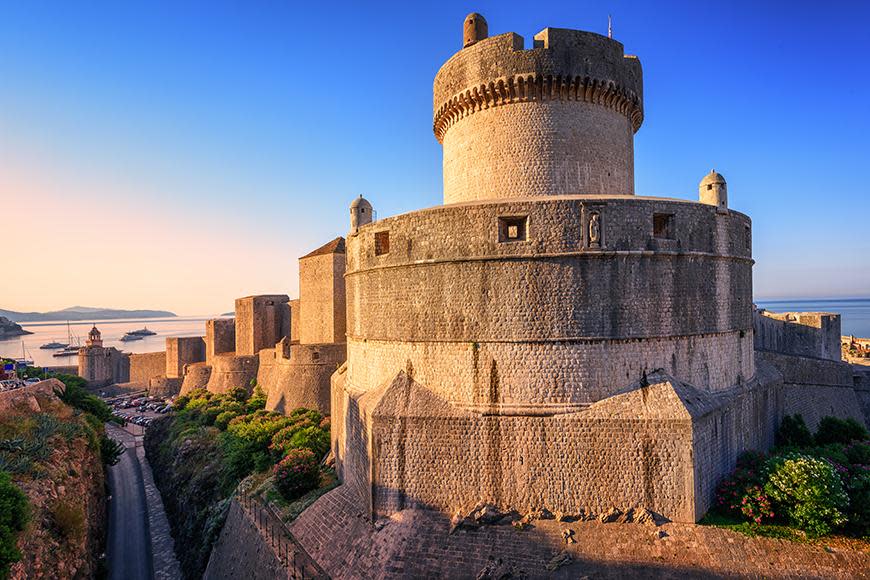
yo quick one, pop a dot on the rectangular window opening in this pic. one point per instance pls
(663, 225)
(382, 243)
(512, 229)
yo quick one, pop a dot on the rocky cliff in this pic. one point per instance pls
(53, 453)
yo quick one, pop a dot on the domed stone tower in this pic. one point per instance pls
(545, 339)
(360, 213)
(474, 29)
(713, 190)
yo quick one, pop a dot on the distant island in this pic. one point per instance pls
(83, 313)
(9, 329)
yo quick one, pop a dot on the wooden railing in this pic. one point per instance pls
(292, 555)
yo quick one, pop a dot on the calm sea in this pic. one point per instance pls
(855, 319)
(112, 331)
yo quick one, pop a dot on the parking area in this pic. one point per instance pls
(138, 408)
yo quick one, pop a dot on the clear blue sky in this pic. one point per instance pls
(192, 151)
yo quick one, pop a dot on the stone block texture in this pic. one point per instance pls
(229, 371)
(145, 366)
(261, 321)
(196, 376)
(322, 295)
(101, 366)
(181, 351)
(806, 334)
(220, 337)
(554, 119)
(298, 375)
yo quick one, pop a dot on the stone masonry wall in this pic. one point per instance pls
(322, 296)
(181, 351)
(555, 119)
(301, 379)
(196, 376)
(102, 366)
(549, 312)
(551, 373)
(807, 334)
(519, 150)
(220, 337)
(229, 371)
(261, 321)
(145, 366)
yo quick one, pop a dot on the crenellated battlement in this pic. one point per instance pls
(563, 65)
(557, 118)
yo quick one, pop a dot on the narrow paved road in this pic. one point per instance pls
(128, 552)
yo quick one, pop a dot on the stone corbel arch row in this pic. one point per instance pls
(536, 87)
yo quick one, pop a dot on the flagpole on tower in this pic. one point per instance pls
(609, 26)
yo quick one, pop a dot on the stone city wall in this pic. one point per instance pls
(322, 294)
(196, 376)
(229, 371)
(815, 388)
(181, 351)
(301, 377)
(102, 366)
(807, 334)
(261, 321)
(448, 289)
(550, 373)
(659, 447)
(295, 315)
(220, 337)
(164, 386)
(145, 366)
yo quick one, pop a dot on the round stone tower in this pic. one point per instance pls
(496, 343)
(556, 119)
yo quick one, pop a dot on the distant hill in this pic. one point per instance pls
(83, 313)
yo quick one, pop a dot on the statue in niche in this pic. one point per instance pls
(594, 229)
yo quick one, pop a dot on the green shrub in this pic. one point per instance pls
(68, 520)
(246, 442)
(793, 432)
(224, 418)
(809, 492)
(75, 395)
(14, 514)
(858, 488)
(834, 430)
(858, 453)
(257, 401)
(297, 474)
